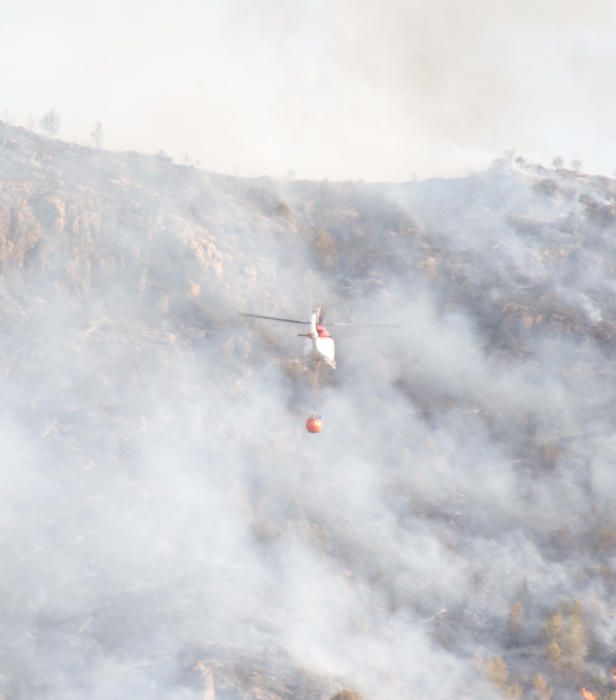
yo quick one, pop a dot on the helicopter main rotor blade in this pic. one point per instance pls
(275, 318)
(365, 325)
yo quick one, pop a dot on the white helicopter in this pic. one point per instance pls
(320, 348)
(319, 352)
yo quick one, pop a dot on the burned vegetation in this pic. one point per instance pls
(167, 530)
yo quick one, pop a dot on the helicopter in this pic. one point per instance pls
(319, 350)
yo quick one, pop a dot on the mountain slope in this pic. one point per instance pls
(169, 527)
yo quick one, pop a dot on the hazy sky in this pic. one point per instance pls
(343, 88)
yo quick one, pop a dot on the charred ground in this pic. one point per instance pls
(167, 528)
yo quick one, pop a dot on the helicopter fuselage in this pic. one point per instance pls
(320, 346)
(321, 349)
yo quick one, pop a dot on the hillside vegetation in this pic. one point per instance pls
(169, 530)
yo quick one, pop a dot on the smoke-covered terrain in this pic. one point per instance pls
(169, 529)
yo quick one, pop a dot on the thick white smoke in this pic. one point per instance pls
(162, 503)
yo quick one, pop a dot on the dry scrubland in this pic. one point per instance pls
(168, 530)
